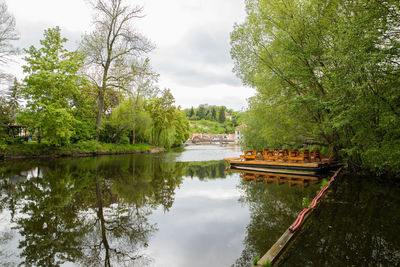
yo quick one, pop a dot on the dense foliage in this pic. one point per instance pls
(212, 127)
(71, 97)
(208, 112)
(326, 74)
(50, 88)
(213, 119)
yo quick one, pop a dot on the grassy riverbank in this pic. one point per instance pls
(81, 148)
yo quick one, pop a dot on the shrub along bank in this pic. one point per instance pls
(83, 148)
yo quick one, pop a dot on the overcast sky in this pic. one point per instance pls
(191, 39)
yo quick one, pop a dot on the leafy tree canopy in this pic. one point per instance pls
(51, 88)
(326, 74)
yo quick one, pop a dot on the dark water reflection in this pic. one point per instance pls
(139, 210)
(274, 201)
(358, 226)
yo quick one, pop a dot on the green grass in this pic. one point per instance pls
(306, 202)
(255, 260)
(83, 147)
(265, 264)
(324, 183)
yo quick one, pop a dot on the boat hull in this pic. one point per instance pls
(286, 167)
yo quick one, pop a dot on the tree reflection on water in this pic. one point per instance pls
(274, 201)
(90, 211)
(96, 211)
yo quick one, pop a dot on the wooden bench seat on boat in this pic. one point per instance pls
(296, 155)
(282, 155)
(282, 160)
(268, 154)
(276, 154)
(260, 155)
(316, 155)
(250, 155)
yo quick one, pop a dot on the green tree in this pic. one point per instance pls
(13, 96)
(221, 114)
(326, 75)
(182, 127)
(213, 113)
(161, 110)
(57, 124)
(51, 88)
(143, 89)
(201, 112)
(5, 118)
(177, 132)
(127, 118)
(191, 112)
(9, 105)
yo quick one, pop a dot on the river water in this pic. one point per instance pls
(358, 225)
(175, 208)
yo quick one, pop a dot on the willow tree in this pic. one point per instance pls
(111, 46)
(326, 73)
(162, 112)
(143, 87)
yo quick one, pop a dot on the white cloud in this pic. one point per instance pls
(191, 36)
(72, 15)
(215, 94)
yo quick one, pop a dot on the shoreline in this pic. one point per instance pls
(75, 153)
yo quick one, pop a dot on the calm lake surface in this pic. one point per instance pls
(170, 209)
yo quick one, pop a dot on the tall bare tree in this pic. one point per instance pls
(110, 48)
(8, 34)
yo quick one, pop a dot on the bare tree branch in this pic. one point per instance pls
(113, 43)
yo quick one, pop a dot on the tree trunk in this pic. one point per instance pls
(133, 136)
(102, 91)
(152, 137)
(158, 137)
(38, 136)
(100, 104)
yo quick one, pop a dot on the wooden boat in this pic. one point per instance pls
(284, 161)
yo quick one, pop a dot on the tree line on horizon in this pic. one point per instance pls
(213, 119)
(208, 112)
(105, 90)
